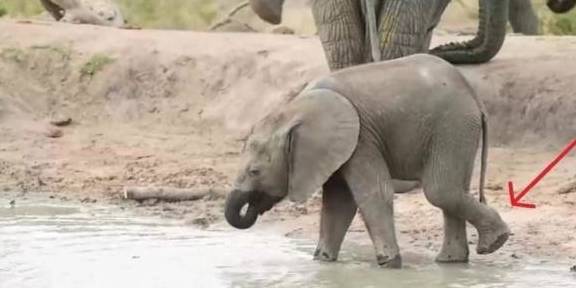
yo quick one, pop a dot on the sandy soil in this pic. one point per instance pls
(172, 107)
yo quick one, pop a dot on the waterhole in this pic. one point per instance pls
(53, 245)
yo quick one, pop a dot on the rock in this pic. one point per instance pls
(150, 202)
(573, 268)
(203, 222)
(294, 232)
(60, 120)
(53, 133)
(283, 30)
(88, 200)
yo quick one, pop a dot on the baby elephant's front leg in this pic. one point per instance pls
(369, 180)
(338, 210)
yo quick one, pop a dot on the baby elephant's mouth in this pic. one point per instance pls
(262, 202)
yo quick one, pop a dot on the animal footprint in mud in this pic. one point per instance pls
(53, 133)
(568, 188)
(494, 186)
(60, 120)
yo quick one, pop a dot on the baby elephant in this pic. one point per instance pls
(352, 133)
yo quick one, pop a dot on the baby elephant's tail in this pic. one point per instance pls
(484, 157)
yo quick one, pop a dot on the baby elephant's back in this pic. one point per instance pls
(417, 84)
(406, 104)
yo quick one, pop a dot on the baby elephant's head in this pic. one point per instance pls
(292, 153)
(263, 177)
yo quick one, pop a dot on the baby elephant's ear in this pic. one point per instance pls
(323, 139)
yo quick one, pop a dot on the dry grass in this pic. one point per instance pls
(165, 14)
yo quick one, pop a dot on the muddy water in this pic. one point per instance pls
(60, 246)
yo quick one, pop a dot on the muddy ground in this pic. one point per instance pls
(171, 108)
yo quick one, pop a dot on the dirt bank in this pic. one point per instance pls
(172, 107)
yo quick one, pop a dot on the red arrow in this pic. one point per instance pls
(515, 200)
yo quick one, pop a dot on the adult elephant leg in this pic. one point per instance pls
(369, 180)
(340, 27)
(446, 182)
(455, 246)
(488, 40)
(338, 210)
(404, 26)
(522, 17)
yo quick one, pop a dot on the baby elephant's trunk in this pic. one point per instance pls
(233, 212)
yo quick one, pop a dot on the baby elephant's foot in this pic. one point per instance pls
(492, 239)
(453, 255)
(389, 262)
(322, 255)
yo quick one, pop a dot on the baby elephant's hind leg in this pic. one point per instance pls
(446, 183)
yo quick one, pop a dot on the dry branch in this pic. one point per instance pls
(167, 194)
(237, 9)
(228, 18)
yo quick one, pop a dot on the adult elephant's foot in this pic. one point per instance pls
(453, 255)
(323, 255)
(389, 262)
(492, 238)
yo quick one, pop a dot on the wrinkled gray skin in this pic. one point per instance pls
(403, 27)
(352, 133)
(83, 12)
(523, 18)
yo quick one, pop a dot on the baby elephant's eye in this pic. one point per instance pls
(253, 172)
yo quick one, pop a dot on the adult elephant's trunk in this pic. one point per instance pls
(488, 40)
(561, 6)
(233, 211)
(268, 10)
